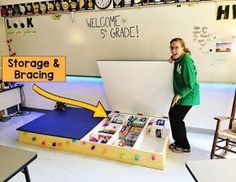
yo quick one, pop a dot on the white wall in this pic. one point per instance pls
(89, 90)
(216, 99)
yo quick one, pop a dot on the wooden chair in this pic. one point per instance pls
(224, 140)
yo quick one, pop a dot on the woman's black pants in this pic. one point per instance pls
(177, 114)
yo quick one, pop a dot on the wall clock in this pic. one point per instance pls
(102, 4)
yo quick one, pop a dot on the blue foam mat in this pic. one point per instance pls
(72, 123)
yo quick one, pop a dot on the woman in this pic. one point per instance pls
(186, 93)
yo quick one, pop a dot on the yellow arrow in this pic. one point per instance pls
(99, 110)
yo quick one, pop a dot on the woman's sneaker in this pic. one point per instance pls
(176, 149)
(172, 146)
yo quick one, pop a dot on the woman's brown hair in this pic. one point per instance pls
(182, 43)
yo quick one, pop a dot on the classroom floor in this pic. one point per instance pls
(59, 166)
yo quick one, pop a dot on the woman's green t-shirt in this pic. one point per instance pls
(185, 81)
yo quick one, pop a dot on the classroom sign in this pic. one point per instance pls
(16, 27)
(41, 68)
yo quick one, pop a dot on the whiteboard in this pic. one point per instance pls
(138, 86)
(134, 34)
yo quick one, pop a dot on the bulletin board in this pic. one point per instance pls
(132, 34)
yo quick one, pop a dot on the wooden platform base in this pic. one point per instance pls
(148, 151)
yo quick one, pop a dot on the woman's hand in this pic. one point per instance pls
(170, 60)
(175, 100)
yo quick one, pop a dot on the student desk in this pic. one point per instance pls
(212, 170)
(13, 160)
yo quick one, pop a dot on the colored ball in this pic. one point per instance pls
(136, 157)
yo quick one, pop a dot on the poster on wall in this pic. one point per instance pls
(43, 8)
(65, 5)
(118, 3)
(16, 9)
(57, 6)
(29, 8)
(127, 3)
(137, 2)
(20, 27)
(22, 9)
(223, 47)
(74, 5)
(90, 4)
(223, 53)
(4, 11)
(9, 10)
(36, 8)
(50, 6)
